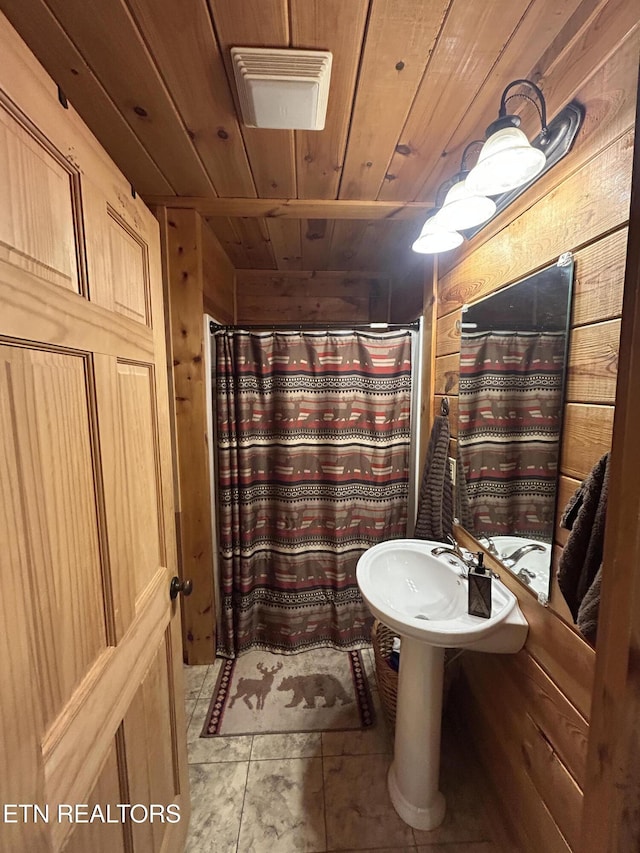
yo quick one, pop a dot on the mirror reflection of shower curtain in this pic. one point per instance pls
(313, 441)
(510, 406)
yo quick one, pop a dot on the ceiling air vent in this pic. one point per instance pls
(283, 89)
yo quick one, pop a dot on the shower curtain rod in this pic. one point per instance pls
(313, 327)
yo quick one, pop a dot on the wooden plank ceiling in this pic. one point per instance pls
(412, 83)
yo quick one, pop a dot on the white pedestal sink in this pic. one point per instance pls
(424, 598)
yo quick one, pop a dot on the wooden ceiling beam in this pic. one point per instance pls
(294, 208)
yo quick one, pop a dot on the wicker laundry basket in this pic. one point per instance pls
(387, 678)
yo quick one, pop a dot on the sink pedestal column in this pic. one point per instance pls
(414, 775)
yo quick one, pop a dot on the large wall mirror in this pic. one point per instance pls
(513, 354)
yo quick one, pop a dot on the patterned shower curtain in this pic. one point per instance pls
(313, 453)
(510, 406)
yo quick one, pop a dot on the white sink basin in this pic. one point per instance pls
(537, 563)
(424, 597)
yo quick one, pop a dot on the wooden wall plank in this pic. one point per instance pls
(135, 86)
(555, 786)
(599, 279)
(64, 63)
(568, 215)
(400, 37)
(593, 363)
(379, 300)
(270, 309)
(586, 436)
(292, 297)
(218, 278)
(557, 789)
(528, 817)
(447, 374)
(181, 39)
(262, 22)
(407, 293)
(550, 710)
(284, 235)
(318, 25)
(448, 333)
(185, 284)
(454, 74)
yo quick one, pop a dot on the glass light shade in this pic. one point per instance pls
(506, 161)
(436, 240)
(463, 209)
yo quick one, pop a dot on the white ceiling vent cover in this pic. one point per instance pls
(281, 88)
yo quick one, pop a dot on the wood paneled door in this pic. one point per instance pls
(91, 710)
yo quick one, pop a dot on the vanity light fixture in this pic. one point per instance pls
(462, 207)
(434, 238)
(508, 160)
(508, 164)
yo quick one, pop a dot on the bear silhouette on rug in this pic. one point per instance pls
(308, 687)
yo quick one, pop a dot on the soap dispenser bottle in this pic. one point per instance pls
(480, 590)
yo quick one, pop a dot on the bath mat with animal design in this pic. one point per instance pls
(264, 693)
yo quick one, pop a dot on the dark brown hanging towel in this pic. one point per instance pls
(435, 504)
(585, 516)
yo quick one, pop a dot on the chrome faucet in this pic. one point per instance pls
(490, 545)
(453, 550)
(519, 553)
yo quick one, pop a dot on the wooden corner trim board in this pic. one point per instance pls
(294, 208)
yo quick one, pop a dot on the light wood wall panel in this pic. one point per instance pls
(309, 297)
(184, 278)
(544, 693)
(218, 276)
(586, 437)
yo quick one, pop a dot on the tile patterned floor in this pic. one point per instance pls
(311, 793)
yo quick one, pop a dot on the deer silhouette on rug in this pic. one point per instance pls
(258, 687)
(319, 684)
